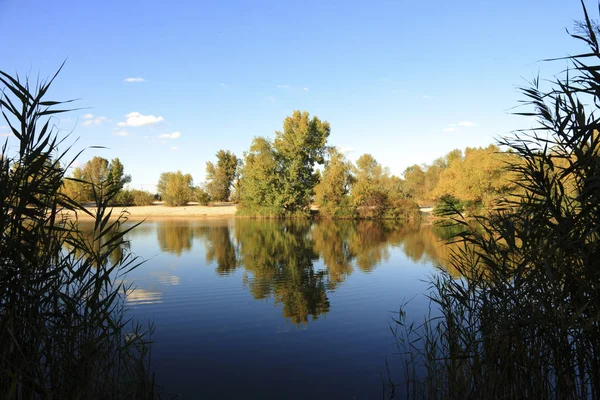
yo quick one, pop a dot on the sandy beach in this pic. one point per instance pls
(158, 211)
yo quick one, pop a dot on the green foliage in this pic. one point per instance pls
(63, 334)
(142, 197)
(133, 197)
(368, 194)
(221, 177)
(200, 196)
(332, 191)
(278, 178)
(175, 188)
(299, 147)
(260, 180)
(97, 177)
(524, 320)
(123, 198)
(377, 194)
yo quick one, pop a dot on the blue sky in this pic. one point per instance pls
(406, 81)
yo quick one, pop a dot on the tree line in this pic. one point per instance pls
(298, 173)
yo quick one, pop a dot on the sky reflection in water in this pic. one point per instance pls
(278, 309)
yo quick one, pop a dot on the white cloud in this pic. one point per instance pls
(174, 148)
(305, 89)
(137, 79)
(426, 97)
(91, 120)
(137, 119)
(223, 85)
(450, 130)
(283, 86)
(270, 99)
(466, 123)
(173, 135)
(121, 133)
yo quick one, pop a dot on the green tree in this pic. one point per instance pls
(332, 191)
(220, 177)
(414, 181)
(96, 179)
(368, 194)
(259, 185)
(175, 188)
(299, 147)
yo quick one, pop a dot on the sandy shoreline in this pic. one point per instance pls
(160, 211)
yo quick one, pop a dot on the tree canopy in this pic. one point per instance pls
(220, 177)
(175, 188)
(278, 177)
(96, 179)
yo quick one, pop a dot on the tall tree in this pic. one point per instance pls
(260, 178)
(299, 147)
(279, 177)
(101, 176)
(221, 176)
(368, 191)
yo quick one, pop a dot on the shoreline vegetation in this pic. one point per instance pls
(64, 332)
(298, 174)
(523, 321)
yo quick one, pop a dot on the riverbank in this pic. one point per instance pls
(157, 211)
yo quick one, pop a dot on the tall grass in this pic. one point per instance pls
(523, 321)
(63, 334)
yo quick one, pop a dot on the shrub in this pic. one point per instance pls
(141, 197)
(123, 198)
(201, 196)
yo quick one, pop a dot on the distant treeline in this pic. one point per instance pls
(298, 171)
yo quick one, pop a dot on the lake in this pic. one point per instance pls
(272, 309)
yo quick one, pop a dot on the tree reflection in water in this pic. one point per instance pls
(278, 257)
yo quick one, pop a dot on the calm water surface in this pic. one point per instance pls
(278, 309)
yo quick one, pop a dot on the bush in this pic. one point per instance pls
(201, 196)
(63, 334)
(142, 197)
(401, 209)
(123, 198)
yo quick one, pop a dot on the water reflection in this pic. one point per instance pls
(137, 296)
(284, 260)
(280, 256)
(220, 248)
(174, 237)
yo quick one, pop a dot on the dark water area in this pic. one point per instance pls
(255, 309)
